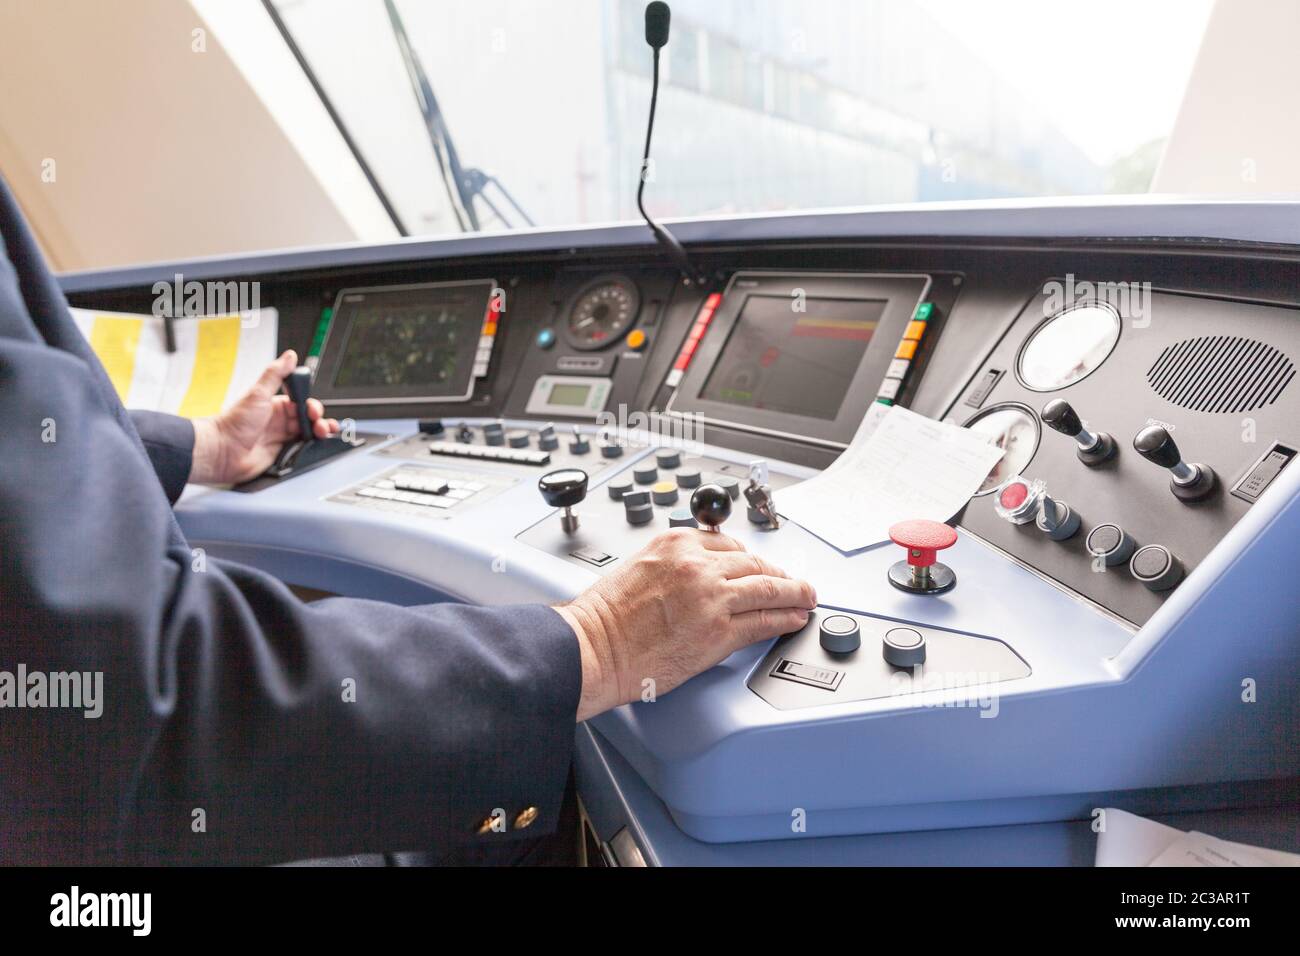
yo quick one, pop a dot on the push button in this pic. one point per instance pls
(840, 634)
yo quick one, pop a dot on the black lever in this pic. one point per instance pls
(1092, 448)
(298, 387)
(1190, 482)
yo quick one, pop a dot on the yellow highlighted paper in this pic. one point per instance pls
(115, 340)
(216, 360)
(219, 347)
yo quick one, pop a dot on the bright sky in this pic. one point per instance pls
(1110, 72)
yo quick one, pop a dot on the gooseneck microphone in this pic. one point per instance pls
(657, 19)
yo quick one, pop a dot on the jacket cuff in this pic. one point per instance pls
(169, 442)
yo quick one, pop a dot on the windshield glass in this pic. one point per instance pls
(771, 105)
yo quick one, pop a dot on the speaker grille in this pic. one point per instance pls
(1220, 373)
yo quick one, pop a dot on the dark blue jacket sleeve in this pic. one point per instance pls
(216, 717)
(239, 724)
(169, 443)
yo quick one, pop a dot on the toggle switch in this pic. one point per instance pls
(1188, 482)
(921, 573)
(1093, 447)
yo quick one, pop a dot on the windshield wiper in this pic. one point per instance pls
(463, 185)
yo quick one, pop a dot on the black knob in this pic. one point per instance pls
(431, 426)
(298, 387)
(1058, 414)
(564, 488)
(1155, 444)
(711, 505)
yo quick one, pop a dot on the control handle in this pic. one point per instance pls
(298, 387)
(1093, 449)
(1188, 481)
(1155, 444)
(564, 489)
(711, 506)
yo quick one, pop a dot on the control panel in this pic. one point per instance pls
(1136, 433)
(669, 489)
(588, 354)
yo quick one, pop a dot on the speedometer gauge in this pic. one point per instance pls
(602, 312)
(1014, 429)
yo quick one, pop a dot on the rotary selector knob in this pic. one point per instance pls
(1056, 519)
(611, 449)
(664, 493)
(839, 634)
(579, 445)
(618, 487)
(711, 506)
(494, 433)
(637, 508)
(1111, 543)
(1156, 567)
(668, 459)
(547, 440)
(688, 478)
(903, 647)
(682, 518)
(519, 439)
(1093, 448)
(465, 434)
(564, 489)
(645, 474)
(1188, 482)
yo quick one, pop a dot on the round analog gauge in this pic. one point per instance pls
(1068, 347)
(1014, 429)
(602, 313)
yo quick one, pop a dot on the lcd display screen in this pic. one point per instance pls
(796, 356)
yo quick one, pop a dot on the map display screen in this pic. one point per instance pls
(407, 342)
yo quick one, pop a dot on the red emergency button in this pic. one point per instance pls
(921, 573)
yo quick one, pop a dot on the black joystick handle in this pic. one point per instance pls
(1093, 449)
(1061, 416)
(1155, 444)
(710, 506)
(298, 387)
(564, 489)
(1189, 482)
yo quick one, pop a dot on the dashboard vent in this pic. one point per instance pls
(1220, 373)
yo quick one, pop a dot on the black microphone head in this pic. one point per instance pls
(657, 18)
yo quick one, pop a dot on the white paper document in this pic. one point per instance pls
(899, 466)
(1130, 840)
(217, 357)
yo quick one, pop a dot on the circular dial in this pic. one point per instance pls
(1068, 347)
(602, 313)
(1014, 429)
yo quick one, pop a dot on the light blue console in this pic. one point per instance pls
(1196, 709)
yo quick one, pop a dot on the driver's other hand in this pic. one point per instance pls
(681, 604)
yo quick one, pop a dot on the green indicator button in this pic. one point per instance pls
(924, 311)
(885, 401)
